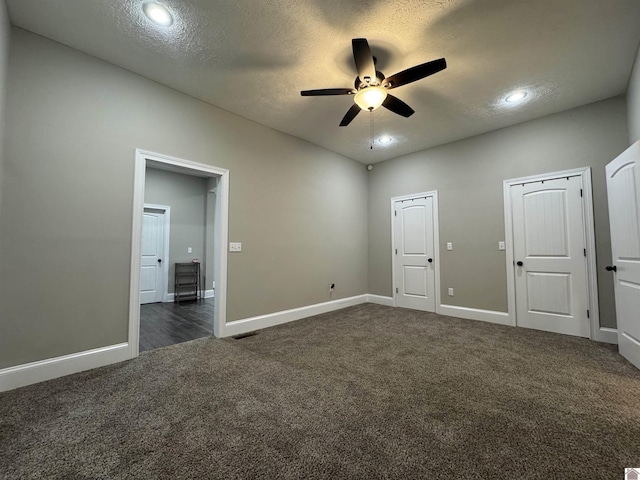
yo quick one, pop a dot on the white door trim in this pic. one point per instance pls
(221, 237)
(166, 235)
(601, 334)
(436, 243)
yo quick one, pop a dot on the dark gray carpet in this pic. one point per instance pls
(366, 392)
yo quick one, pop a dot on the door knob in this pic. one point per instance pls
(159, 260)
(611, 269)
(519, 263)
(430, 260)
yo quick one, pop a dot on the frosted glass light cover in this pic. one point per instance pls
(370, 98)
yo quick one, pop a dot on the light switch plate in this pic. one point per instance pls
(501, 246)
(451, 292)
(235, 246)
(449, 246)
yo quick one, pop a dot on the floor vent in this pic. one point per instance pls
(244, 335)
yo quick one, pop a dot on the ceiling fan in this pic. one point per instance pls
(371, 86)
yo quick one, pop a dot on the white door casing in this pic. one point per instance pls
(154, 253)
(549, 251)
(143, 159)
(415, 251)
(623, 191)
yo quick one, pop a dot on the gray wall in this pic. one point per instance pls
(633, 102)
(468, 176)
(186, 195)
(5, 29)
(73, 123)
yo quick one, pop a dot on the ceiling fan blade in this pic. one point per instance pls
(351, 114)
(397, 106)
(363, 58)
(327, 91)
(415, 73)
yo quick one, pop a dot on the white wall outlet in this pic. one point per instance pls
(189, 250)
(449, 246)
(332, 287)
(235, 246)
(451, 292)
(501, 246)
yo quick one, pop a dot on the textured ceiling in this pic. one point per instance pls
(252, 57)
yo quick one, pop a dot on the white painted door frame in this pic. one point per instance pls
(597, 333)
(221, 236)
(166, 236)
(436, 243)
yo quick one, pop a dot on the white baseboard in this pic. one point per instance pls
(606, 335)
(170, 297)
(22, 375)
(43, 370)
(380, 300)
(246, 325)
(40, 371)
(475, 314)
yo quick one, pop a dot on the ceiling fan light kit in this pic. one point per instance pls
(371, 86)
(370, 97)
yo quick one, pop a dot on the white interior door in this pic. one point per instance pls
(623, 190)
(414, 251)
(152, 279)
(550, 257)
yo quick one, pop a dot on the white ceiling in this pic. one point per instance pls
(252, 57)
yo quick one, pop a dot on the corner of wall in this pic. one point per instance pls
(5, 31)
(633, 101)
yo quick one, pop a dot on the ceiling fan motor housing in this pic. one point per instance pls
(378, 81)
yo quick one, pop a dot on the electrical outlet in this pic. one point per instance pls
(189, 250)
(332, 287)
(235, 246)
(501, 246)
(449, 246)
(451, 292)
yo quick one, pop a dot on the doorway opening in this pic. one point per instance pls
(165, 233)
(176, 274)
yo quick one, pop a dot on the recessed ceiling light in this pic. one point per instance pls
(385, 139)
(516, 96)
(157, 13)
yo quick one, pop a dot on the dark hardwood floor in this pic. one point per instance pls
(164, 324)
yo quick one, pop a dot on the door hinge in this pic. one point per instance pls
(580, 192)
(396, 290)
(588, 314)
(396, 251)
(585, 252)
(395, 213)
